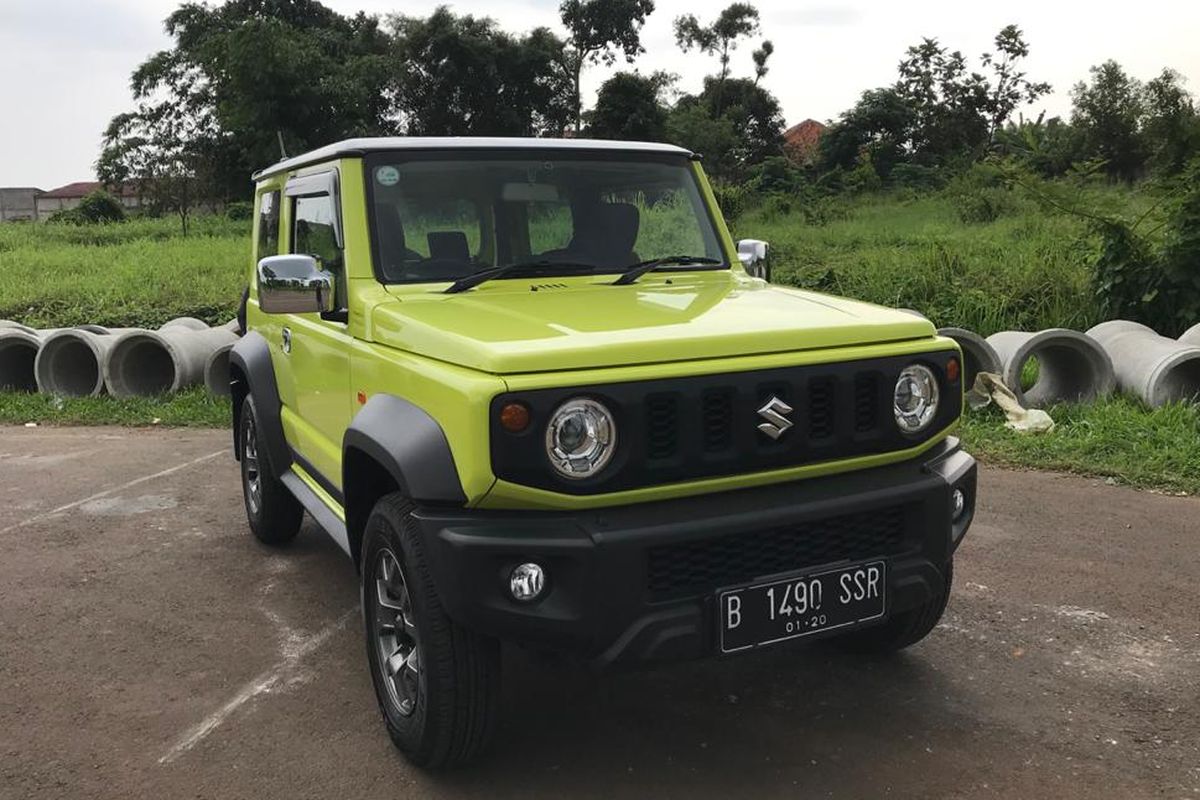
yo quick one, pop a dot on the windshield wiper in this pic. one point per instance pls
(484, 275)
(635, 271)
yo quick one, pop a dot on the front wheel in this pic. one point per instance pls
(437, 684)
(901, 630)
(273, 512)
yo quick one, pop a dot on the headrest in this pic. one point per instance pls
(449, 245)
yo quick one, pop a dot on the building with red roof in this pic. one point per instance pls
(800, 142)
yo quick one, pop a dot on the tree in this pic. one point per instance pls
(719, 38)
(595, 29)
(241, 74)
(760, 56)
(1012, 87)
(1171, 127)
(463, 76)
(1108, 111)
(1048, 147)
(747, 125)
(957, 110)
(879, 127)
(629, 106)
(171, 162)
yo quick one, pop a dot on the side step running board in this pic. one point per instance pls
(320, 512)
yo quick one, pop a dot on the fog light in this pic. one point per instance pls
(958, 502)
(526, 582)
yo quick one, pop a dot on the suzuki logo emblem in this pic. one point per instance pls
(775, 413)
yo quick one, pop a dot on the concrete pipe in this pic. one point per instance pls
(8, 324)
(216, 370)
(18, 352)
(1072, 367)
(1191, 335)
(187, 323)
(153, 362)
(71, 362)
(978, 355)
(97, 329)
(1156, 369)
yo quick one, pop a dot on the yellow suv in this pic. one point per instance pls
(539, 396)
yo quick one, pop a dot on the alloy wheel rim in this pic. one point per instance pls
(396, 638)
(251, 468)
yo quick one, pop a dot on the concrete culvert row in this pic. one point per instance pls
(1072, 367)
(91, 359)
(1156, 369)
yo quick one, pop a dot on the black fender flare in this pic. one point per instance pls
(250, 360)
(392, 444)
(410, 444)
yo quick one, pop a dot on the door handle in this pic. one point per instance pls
(287, 341)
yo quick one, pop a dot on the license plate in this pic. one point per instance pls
(765, 613)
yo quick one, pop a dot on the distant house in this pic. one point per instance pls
(800, 142)
(18, 203)
(68, 196)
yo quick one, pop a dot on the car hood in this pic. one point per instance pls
(516, 326)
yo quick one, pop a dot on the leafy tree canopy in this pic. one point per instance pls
(463, 76)
(629, 106)
(597, 31)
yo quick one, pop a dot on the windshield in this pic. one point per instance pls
(437, 219)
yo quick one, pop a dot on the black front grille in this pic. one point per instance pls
(697, 568)
(680, 429)
(718, 420)
(662, 425)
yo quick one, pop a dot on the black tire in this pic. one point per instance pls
(442, 712)
(273, 512)
(901, 630)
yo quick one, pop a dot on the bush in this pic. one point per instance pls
(983, 205)
(100, 207)
(239, 211)
(732, 198)
(1153, 282)
(916, 176)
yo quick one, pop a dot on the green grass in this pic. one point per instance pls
(1027, 270)
(192, 408)
(1114, 438)
(139, 273)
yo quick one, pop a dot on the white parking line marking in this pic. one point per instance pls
(113, 490)
(293, 653)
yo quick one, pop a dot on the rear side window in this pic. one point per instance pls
(268, 224)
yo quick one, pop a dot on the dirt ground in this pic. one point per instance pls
(149, 647)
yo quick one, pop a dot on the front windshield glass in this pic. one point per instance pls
(442, 218)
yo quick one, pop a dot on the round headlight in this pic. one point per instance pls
(581, 438)
(916, 398)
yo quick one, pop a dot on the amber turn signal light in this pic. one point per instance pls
(514, 417)
(952, 370)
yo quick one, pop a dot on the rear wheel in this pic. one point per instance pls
(901, 630)
(273, 512)
(437, 684)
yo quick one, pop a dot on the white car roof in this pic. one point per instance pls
(358, 147)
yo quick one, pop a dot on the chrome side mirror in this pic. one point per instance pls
(294, 284)
(753, 253)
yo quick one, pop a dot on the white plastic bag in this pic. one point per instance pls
(990, 388)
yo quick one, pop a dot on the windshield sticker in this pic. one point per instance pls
(387, 176)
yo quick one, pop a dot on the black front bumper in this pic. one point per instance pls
(638, 582)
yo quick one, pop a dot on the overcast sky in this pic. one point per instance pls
(65, 64)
